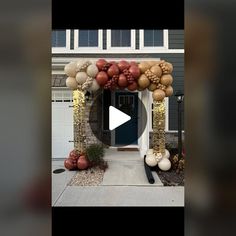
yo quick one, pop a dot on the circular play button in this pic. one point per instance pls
(117, 118)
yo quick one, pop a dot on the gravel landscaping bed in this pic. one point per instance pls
(90, 177)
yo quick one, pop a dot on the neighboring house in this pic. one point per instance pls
(131, 45)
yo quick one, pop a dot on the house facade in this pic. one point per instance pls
(131, 45)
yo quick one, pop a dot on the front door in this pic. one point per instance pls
(127, 134)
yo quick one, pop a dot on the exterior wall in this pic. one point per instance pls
(176, 39)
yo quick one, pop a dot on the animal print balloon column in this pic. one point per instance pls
(152, 75)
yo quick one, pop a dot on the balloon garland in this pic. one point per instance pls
(152, 75)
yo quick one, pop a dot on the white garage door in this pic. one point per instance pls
(62, 123)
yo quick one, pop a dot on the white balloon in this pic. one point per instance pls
(70, 69)
(94, 86)
(164, 164)
(158, 156)
(92, 70)
(167, 154)
(71, 83)
(149, 151)
(151, 160)
(81, 77)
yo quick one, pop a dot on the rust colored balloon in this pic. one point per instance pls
(135, 71)
(158, 95)
(82, 163)
(169, 91)
(68, 163)
(100, 63)
(122, 81)
(113, 70)
(133, 86)
(143, 81)
(74, 155)
(102, 78)
(123, 65)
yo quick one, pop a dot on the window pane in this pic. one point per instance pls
(58, 38)
(153, 38)
(88, 38)
(120, 38)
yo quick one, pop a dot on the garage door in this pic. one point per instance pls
(62, 123)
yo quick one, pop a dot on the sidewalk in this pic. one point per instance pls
(112, 191)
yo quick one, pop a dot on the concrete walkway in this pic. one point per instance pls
(124, 184)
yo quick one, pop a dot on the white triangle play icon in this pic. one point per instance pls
(116, 118)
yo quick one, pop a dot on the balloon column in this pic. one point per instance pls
(152, 75)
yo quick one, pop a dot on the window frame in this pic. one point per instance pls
(63, 49)
(99, 48)
(165, 46)
(121, 49)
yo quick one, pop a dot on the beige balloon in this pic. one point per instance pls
(152, 63)
(156, 70)
(143, 66)
(169, 91)
(92, 70)
(158, 95)
(166, 80)
(143, 81)
(151, 160)
(70, 69)
(94, 86)
(71, 83)
(81, 77)
(164, 164)
(152, 87)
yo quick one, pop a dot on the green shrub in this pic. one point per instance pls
(95, 153)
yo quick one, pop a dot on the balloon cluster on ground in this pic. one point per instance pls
(152, 75)
(76, 161)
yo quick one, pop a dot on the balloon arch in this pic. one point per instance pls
(84, 75)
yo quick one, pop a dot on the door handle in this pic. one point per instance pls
(71, 141)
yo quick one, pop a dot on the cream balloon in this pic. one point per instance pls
(70, 69)
(71, 83)
(81, 77)
(164, 164)
(94, 86)
(167, 154)
(151, 160)
(149, 151)
(92, 70)
(158, 156)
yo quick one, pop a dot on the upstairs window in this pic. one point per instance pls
(120, 40)
(87, 40)
(152, 39)
(60, 41)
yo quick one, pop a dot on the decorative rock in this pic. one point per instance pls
(81, 77)
(158, 95)
(70, 69)
(92, 70)
(71, 83)
(164, 164)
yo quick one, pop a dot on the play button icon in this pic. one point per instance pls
(117, 118)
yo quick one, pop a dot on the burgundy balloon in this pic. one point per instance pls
(123, 65)
(73, 155)
(135, 71)
(100, 63)
(82, 163)
(122, 81)
(68, 163)
(133, 86)
(102, 78)
(133, 63)
(113, 70)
